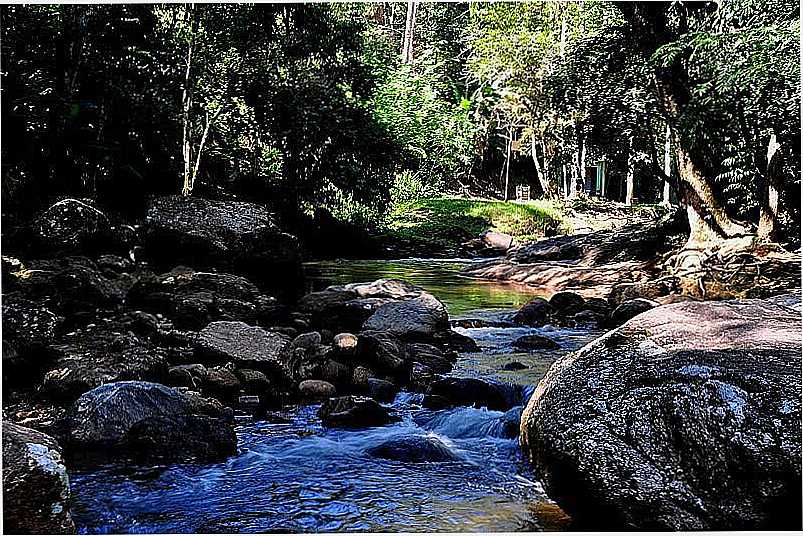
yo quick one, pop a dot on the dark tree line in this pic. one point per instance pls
(355, 107)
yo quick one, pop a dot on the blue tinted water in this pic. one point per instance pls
(301, 477)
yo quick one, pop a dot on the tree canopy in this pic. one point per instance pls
(354, 107)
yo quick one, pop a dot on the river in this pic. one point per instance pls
(294, 475)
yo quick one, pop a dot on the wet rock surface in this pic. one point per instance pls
(147, 421)
(36, 489)
(413, 449)
(471, 392)
(245, 346)
(685, 418)
(100, 353)
(354, 412)
(535, 342)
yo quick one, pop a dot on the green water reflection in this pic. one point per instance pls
(439, 277)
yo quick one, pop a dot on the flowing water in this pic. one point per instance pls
(297, 476)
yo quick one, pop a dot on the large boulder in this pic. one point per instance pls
(233, 235)
(194, 299)
(688, 417)
(100, 353)
(149, 421)
(73, 226)
(417, 318)
(36, 488)
(347, 307)
(246, 346)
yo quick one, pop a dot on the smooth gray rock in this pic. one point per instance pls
(419, 317)
(687, 417)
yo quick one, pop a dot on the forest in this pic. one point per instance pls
(314, 267)
(307, 107)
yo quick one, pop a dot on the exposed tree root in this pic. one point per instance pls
(735, 268)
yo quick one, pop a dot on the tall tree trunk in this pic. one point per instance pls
(769, 192)
(631, 183)
(507, 162)
(540, 171)
(667, 165)
(186, 105)
(582, 163)
(563, 30)
(409, 32)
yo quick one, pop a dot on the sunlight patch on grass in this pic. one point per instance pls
(452, 220)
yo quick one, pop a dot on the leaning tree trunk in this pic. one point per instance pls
(709, 223)
(769, 192)
(186, 105)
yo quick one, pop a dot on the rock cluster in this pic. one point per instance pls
(113, 357)
(571, 309)
(137, 345)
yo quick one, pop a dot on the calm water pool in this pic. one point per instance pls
(301, 477)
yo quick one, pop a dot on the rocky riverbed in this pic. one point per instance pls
(182, 362)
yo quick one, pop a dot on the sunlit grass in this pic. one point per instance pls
(452, 220)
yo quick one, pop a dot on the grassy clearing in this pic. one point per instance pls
(446, 222)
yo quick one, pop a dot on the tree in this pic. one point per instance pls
(690, 75)
(409, 32)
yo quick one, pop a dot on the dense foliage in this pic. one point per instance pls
(310, 106)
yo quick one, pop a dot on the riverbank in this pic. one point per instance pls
(448, 227)
(155, 389)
